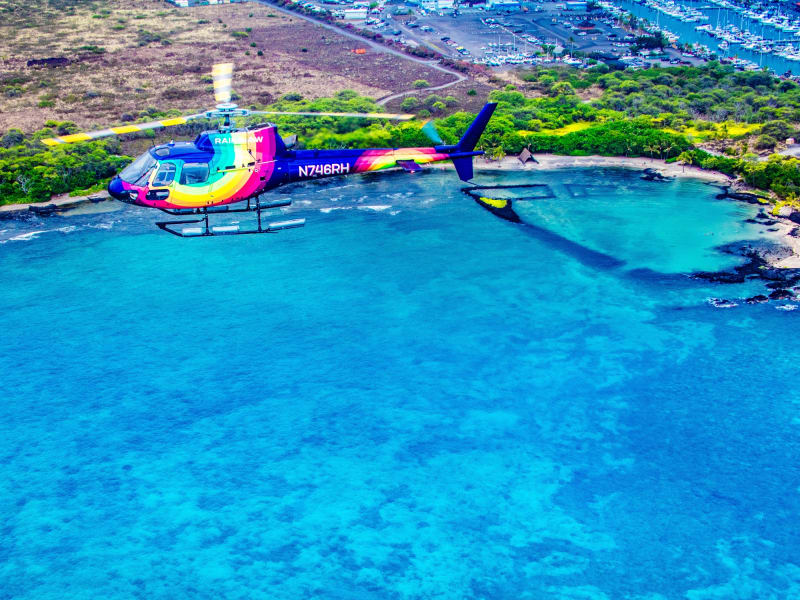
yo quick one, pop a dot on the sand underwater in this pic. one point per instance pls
(407, 399)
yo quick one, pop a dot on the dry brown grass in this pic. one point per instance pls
(169, 71)
(591, 93)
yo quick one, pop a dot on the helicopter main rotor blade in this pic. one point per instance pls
(222, 76)
(100, 133)
(391, 116)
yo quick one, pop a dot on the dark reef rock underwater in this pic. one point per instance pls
(652, 175)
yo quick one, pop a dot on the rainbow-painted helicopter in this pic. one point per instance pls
(227, 166)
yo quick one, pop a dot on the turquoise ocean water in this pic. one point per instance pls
(409, 398)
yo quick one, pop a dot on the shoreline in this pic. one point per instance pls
(55, 204)
(544, 162)
(552, 162)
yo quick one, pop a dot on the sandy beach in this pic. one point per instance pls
(553, 161)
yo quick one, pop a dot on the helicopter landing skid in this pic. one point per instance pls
(202, 229)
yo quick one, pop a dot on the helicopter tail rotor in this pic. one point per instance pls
(429, 129)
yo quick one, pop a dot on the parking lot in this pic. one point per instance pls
(501, 38)
(496, 39)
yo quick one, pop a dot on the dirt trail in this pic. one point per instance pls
(459, 77)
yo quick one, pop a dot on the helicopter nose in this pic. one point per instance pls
(116, 190)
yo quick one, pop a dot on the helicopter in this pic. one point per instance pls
(231, 166)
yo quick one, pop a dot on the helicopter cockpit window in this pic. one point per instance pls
(134, 171)
(194, 173)
(165, 174)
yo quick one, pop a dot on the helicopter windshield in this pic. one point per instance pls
(134, 171)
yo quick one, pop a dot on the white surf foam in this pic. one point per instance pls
(26, 237)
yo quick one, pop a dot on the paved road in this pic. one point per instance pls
(379, 48)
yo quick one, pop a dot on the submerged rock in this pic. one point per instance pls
(720, 277)
(721, 303)
(757, 299)
(781, 294)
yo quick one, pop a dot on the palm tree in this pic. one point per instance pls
(685, 158)
(498, 153)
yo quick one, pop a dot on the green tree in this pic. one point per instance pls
(497, 153)
(410, 103)
(765, 142)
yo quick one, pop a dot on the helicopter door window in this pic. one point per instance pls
(193, 173)
(165, 175)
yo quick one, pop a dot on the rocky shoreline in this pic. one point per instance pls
(760, 260)
(55, 204)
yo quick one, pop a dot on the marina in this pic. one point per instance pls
(749, 38)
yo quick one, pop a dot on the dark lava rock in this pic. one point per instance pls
(57, 61)
(795, 217)
(744, 196)
(721, 303)
(653, 175)
(759, 255)
(721, 277)
(47, 209)
(775, 274)
(757, 299)
(768, 251)
(781, 295)
(750, 221)
(795, 232)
